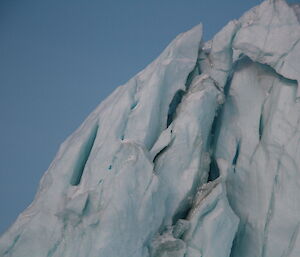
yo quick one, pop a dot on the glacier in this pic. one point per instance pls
(198, 155)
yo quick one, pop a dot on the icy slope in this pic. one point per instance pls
(197, 155)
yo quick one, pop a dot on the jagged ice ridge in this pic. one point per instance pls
(198, 155)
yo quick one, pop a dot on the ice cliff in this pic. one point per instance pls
(198, 155)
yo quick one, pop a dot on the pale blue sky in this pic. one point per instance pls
(60, 58)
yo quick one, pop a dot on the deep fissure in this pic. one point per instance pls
(173, 106)
(260, 127)
(236, 156)
(177, 98)
(84, 154)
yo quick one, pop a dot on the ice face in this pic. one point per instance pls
(197, 155)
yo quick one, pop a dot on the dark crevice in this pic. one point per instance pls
(192, 75)
(159, 153)
(180, 93)
(173, 106)
(134, 104)
(227, 85)
(236, 156)
(84, 154)
(272, 71)
(214, 171)
(260, 127)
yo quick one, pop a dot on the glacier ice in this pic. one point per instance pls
(196, 156)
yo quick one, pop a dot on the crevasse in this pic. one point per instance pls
(197, 155)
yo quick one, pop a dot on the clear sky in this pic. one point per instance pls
(60, 58)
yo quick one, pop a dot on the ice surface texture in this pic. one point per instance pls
(196, 156)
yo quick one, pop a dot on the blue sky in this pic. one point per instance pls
(60, 58)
